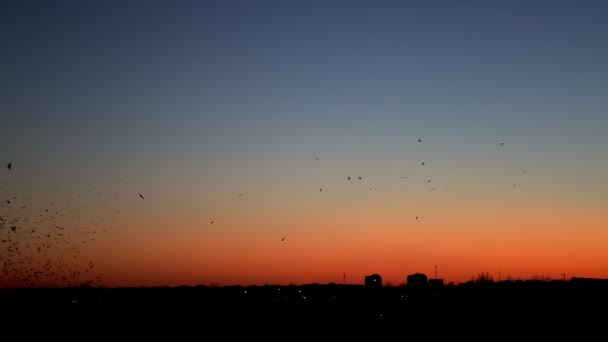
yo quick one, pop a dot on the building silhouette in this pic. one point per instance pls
(373, 281)
(436, 288)
(435, 283)
(418, 289)
(417, 280)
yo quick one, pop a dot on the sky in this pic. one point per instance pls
(252, 114)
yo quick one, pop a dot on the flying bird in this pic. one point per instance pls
(142, 196)
(317, 158)
(9, 165)
(360, 178)
(348, 178)
(502, 144)
(211, 222)
(422, 163)
(525, 171)
(282, 239)
(320, 189)
(419, 140)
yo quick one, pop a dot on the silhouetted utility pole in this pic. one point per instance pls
(435, 271)
(498, 275)
(344, 278)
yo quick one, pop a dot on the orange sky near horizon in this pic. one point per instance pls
(536, 248)
(345, 229)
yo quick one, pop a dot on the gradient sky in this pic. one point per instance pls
(191, 103)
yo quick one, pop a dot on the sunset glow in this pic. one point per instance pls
(252, 115)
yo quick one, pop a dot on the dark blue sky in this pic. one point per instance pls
(87, 84)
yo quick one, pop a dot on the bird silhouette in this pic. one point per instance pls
(142, 196)
(419, 140)
(282, 239)
(348, 178)
(360, 178)
(9, 165)
(502, 144)
(211, 222)
(423, 163)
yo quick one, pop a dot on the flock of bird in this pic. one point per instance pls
(44, 248)
(423, 163)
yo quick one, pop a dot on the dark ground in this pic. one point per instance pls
(474, 311)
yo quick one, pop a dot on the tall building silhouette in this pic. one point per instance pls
(417, 280)
(373, 281)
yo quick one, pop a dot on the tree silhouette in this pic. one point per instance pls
(483, 277)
